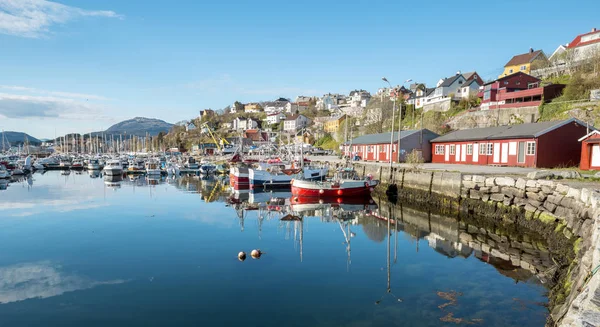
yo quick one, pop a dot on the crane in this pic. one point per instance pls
(212, 135)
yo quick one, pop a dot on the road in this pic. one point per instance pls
(467, 169)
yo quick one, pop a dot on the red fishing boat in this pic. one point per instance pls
(346, 183)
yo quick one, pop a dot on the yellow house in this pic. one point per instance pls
(333, 124)
(522, 62)
(252, 107)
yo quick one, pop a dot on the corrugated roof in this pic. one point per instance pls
(503, 132)
(384, 137)
(523, 58)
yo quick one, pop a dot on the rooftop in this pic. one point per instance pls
(523, 58)
(382, 138)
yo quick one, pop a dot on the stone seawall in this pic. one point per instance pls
(566, 217)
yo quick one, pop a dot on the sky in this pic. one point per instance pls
(76, 66)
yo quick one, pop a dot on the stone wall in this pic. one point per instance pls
(442, 105)
(494, 117)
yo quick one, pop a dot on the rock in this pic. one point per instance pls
(534, 203)
(555, 199)
(508, 201)
(465, 237)
(505, 181)
(478, 179)
(494, 237)
(568, 234)
(542, 182)
(521, 184)
(468, 184)
(568, 174)
(540, 197)
(520, 202)
(531, 183)
(515, 261)
(562, 212)
(530, 208)
(594, 199)
(547, 190)
(468, 178)
(473, 194)
(567, 202)
(485, 248)
(498, 254)
(484, 190)
(485, 197)
(498, 197)
(562, 189)
(475, 245)
(549, 206)
(574, 193)
(526, 265)
(532, 189)
(540, 174)
(585, 196)
(482, 231)
(472, 229)
(511, 191)
(586, 228)
(490, 182)
(495, 189)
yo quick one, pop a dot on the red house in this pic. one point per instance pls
(376, 147)
(590, 151)
(517, 90)
(542, 145)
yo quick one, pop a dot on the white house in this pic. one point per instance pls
(302, 98)
(293, 107)
(243, 124)
(275, 118)
(359, 98)
(275, 106)
(447, 86)
(294, 123)
(233, 109)
(469, 88)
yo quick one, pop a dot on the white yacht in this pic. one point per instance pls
(113, 167)
(4, 173)
(93, 164)
(153, 167)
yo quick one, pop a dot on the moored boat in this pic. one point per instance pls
(113, 167)
(93, 164)
(153, 168)
(345, 183)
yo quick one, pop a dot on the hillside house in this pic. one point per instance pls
(516, 91)
(275, 106)
(252, 107)
(295, 123)
(333, 124)
(243, 124)
(292, 108)
(275, 118)
(541, 145)
(190, 127)
(447, 90)
(522, 62)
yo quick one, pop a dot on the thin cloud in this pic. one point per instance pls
(27, 106)
(71, 95)
(33, 18)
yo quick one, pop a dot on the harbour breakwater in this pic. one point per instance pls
(567, 220)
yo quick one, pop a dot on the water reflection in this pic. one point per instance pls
(41, 280)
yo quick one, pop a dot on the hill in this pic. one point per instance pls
(16, 138)
(139, 126)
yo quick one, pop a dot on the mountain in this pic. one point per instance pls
(139, 126)
(16, 138)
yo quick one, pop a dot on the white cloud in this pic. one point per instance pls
(33, 18)
(72, 95)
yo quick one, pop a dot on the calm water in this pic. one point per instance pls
(79, 251)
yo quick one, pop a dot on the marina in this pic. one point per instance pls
(166, 247)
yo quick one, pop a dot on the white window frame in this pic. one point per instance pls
(490, 149)
(523, 67)
(439, 149)
(452, 149)
(483, 149)
(527, 152)
(469, 149)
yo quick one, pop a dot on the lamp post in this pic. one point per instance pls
(392, 130)
(400, 124)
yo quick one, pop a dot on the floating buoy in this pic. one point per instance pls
(339, 192)
(321, 191)
(242, 256)
(256, 254)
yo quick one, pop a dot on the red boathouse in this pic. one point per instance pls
(590, 151)
(542, 145)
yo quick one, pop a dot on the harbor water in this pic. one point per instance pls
(90, 250)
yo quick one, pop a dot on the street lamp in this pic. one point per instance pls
(393, 118)
(400, 124)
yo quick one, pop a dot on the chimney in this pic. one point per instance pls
(593, 29)
(530, 50)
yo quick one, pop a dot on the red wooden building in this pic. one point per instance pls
(517, 90)
(590, 151)
(376, 147)
(542, 145)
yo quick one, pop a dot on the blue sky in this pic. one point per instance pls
(83, 65)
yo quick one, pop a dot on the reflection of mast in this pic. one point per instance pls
(389, 268)
(347, 236)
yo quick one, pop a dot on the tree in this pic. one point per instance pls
(239, 107)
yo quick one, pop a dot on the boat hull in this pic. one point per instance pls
(331, 190)
(113, 172)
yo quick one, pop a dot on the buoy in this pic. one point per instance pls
(242, 256)
(339, 200)
(320, 201)
(321, 191)
(256, 254)
(339, 192)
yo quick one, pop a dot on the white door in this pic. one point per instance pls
(496, 152)
(463, 153)
(457, 153)
(475, 152)
(504, 152)
(447, 153)
(596, 155)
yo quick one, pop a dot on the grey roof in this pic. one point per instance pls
(470, 82)
(504, 132)
(450, 80)
(429, 91)
(276, 103)
(385, 137)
